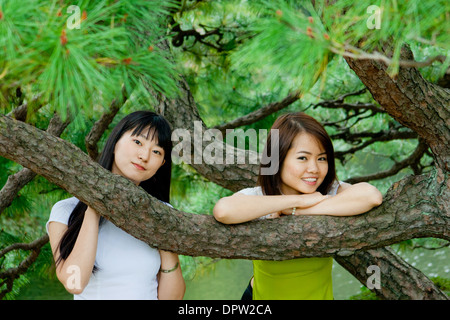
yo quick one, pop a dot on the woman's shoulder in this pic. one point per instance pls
(62, 210)
(255, 191)
(166, 203)
(334, 187)
(65, 205)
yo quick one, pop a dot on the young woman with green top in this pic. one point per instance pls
(305, 184)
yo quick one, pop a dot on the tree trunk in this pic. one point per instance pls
(410, 99)
(422, 107)
(398, 279)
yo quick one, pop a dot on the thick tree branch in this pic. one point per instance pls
(402, 216)
(18, 180)
(398, 279)
(410, 99)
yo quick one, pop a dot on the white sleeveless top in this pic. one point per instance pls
(127, 267)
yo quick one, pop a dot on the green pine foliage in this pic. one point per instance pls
(281, 49)
(80, 53)
(293, 39)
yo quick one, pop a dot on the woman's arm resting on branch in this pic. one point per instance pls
(240, 208)
(350, 200)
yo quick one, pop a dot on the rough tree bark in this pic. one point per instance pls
(399, 280)
(414, 207)
(423, 107)
(411, 100)
(17, 181)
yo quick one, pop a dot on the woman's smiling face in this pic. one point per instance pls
(305, 166)
(137, 157)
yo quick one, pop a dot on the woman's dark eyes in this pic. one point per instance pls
(140, 144)
(320, 159)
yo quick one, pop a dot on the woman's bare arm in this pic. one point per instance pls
(171, 285)
(75, 271)
(349, 200)
(240, 208)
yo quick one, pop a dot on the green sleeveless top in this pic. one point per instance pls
(297, 279)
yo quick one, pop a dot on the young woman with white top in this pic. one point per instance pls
(305, 184)
(94, 258)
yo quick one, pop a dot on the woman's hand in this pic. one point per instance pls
(350, 200)
(311, 199)
(305, 201)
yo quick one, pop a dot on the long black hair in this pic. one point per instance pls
(158, 185)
